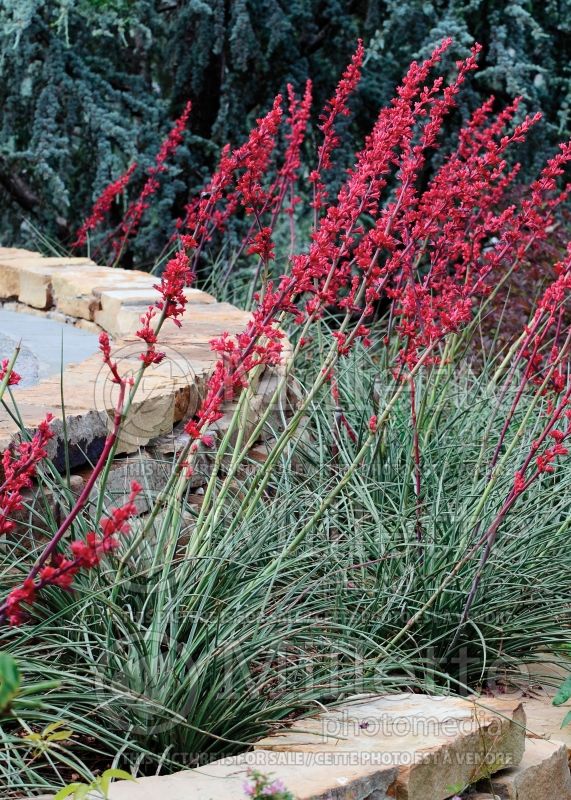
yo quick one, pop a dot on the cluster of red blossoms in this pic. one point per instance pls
(14, 377)
(237, 180)
(175, 278)
(431, 253)
(85, 554)
(334, 108)
(19, 467)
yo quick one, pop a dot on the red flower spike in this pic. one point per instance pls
(86, 554)
(134, 214)
(175, 278)
(19, 463)
(102, 205)
(336, 106)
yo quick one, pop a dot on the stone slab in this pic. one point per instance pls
(392, 747)
(81, 290)
(304, 777)
(375, 748)
(120, 309)
(9, 281)
(77, 292)
(17, 252)
(542, 773)
(544, 719)
(439, 744)
(28, 278)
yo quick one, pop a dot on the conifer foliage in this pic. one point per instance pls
(91, 87)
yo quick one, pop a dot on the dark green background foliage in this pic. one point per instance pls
(87, 86)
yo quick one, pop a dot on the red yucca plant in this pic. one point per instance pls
(429, 252)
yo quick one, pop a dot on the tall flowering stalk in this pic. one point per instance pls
(102, 206)
(50, 567)
(238, 181)
(336, 106)
(128, 227)
(238, 178)
(134, 214)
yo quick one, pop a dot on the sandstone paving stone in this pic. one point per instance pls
(30, 279)
(120, 308)
(404, 747)
(169, 392)
(544, 719)
(77, 291)
(9, 281)
(201, 321)
(17, 252)
(10, 277)
(36, 279)
(393, 747)
(126, 322)
(224, 779)
(71, 283)
(542, 774)
(440, 744)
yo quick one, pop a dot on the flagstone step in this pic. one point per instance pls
(542, 774)
(80, 289)
(392, 747)
(82, 293)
